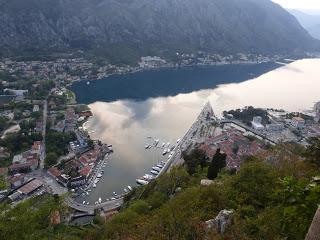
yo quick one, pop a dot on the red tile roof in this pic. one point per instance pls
(30, 186)
(54, 171)
(85, 171)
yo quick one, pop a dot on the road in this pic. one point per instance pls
(249, 129)
(107, 206)
(45, 116)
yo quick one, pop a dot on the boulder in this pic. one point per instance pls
(220, 222)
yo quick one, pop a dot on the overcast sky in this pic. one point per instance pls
(299, 4)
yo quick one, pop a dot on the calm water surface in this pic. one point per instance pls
(137, 106)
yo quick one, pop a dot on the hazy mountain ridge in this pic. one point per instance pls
(310, 21)
(140, 27)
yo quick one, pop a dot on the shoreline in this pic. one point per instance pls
(172, 67)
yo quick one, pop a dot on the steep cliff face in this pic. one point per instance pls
(150, 26)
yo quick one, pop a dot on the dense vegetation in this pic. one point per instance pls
(248, 113)
(272, 200)
(57, 145)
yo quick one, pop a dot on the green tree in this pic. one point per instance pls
(218, 162)
(313, 150)
(51, 159)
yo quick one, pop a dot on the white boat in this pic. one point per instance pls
(99, 175)
(100, 200)
(88, 83)
(142, 182)
(168, 144)
(178, 140)
(146, 146)
(154, 172)
(114, 193)
(87, 203)
(83, 202)
(125, 190)
(172, 147)
(87, 193)
(169, 156)
(148, 177)
(160, 166)
(163, 144)
(113, 198)
(156, 169)
(94, 185)
(130, 188)
(164, 152)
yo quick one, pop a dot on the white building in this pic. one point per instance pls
(298, 122)
(276, 127)
(36, 108)
(256, 123)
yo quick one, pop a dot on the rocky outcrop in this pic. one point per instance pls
(220, 222)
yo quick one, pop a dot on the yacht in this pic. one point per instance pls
(169, 156)
(100, 200)
(125, 190)
(94, 185)
(99, 175)
(146, 146)
(142, 182)
(84, 202)
(160, 166)
(156, 169)
(164, 152)
(130, 188)
(178, 140)
(154, 172)
(114, 193)
(163, 144)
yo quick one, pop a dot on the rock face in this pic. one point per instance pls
(221, 222)
(141, 27)
(314, 230)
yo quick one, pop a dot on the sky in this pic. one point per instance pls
(299, 4)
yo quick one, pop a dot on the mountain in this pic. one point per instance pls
(131, 28)
(309, 20)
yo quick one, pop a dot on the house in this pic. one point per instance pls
(39, 126)
(276, 127)
(23, 167)
(17, 180)
(59, 127)
(77, 181)
(54, 172)
(298, 122)
(86, 171)
(36, 108)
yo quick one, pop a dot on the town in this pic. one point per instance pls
(45, 148)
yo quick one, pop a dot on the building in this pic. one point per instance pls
(17, 180)
(36, 108)
(298, 122)
(54, 172)
(257, 123)
(276, 127)
(30, 187)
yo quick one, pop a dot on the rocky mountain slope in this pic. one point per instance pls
(117, 28)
